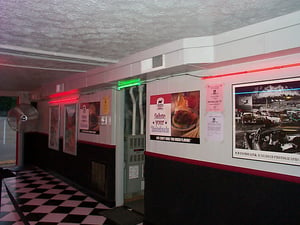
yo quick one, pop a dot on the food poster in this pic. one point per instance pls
(267, 121)
(89, 114)
(175, 117)
(54, 118)
(70, 127)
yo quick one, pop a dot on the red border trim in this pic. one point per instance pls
(97, 144)
(251, 71)
(226, 167)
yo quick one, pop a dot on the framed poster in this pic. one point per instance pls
(175, 117)
(54, 122)
(89, 114)
(70, 128)
(267, 121)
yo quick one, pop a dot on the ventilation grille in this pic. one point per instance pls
(136, 142)
(152, 64)
(157, 61)
(99, 178)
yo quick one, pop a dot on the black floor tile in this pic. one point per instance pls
(77, 197)
(62, 209)
(96, 212)
(47, 178)
(35, 216)
(73, 219)
(28, 208)
(54, 182)
(39, 190)
(60, 186)
(45, 223)
(53, 202)
(33, 185)
(88, 204)
(46, 196)
(68, 192)
(22, 201)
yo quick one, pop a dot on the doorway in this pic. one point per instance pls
(8, 136)
(134, 147)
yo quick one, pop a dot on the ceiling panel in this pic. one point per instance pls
(106, 31)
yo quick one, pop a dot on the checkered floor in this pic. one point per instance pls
(45, 200)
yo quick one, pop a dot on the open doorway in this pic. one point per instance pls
(8, 137)
(134, 147)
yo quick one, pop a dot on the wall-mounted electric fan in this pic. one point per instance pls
(23, 118)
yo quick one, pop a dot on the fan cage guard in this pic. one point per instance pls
(23, 118)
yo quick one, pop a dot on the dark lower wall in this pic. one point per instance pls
(178, 193)
(77, 169)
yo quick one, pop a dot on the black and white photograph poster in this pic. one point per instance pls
(266, 121)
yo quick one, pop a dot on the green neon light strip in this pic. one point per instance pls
(256, 92)
(128, 83)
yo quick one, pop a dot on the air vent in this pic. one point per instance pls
(152, 64)
(98, 177)
(157, 61)
(60, 87)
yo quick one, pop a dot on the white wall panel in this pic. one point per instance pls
(240, 48)
(174, 58)
(75, 83)
(283, 39)
(220, 152)
(199, 55)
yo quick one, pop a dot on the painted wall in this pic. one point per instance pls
(270, 43)
(202, 183)
(220, 152)
(104, 137)
(91, 148)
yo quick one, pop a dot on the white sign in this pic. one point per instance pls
(133, 172)
(214, 126)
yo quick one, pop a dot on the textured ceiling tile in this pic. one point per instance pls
(113, 29)
(127, 26)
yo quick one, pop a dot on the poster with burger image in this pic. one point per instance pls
(175, 117)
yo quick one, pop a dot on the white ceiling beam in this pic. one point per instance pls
(53, 56)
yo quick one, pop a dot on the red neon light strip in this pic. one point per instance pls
(61, 94)
(252, 71)
(65, 100)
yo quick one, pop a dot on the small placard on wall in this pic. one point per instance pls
(214, 98)
(105, 105)
(133, 172)
(215, 126)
